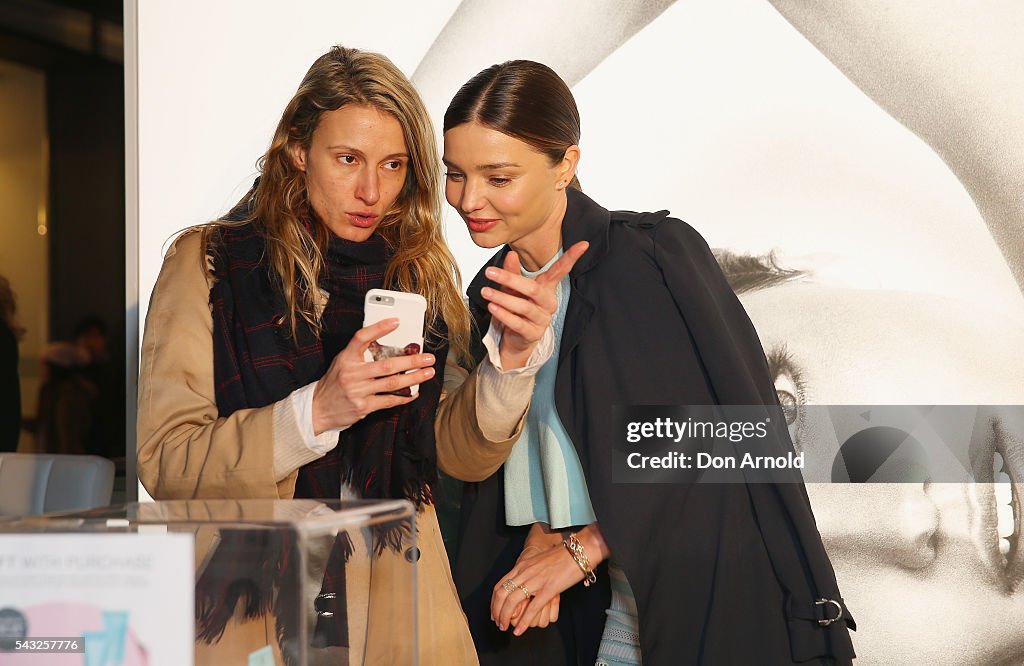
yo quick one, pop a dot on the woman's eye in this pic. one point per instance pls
(393, 165)
(454, 176)
(347, 159)
(789, 404)
(789, 387)
(499, 181)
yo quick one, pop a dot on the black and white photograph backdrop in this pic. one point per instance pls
(871, 153)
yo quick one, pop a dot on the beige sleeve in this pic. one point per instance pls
(185, 450)
(469, 447)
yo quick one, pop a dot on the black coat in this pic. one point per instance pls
(722, 573)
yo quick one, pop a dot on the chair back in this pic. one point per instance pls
(32, 483)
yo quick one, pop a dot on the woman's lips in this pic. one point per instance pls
(480, 224)
(1012, 453)
(998, 467)
(362, 220)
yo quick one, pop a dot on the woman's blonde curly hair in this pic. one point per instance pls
(422, 262)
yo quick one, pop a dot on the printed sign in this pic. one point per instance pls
(96, 599)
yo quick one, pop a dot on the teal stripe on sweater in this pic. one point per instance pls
(544, 480)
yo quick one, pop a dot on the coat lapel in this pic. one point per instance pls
(584, 220)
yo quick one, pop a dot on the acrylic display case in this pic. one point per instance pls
(211, 582)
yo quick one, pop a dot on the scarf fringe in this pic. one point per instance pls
(245, 567)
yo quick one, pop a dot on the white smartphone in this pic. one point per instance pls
(407, 339)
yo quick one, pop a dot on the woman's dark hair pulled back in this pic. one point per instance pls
(525, 100)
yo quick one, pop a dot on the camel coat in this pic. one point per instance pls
(185, 451)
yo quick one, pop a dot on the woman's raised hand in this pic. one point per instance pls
(353, 387)
(526, 306)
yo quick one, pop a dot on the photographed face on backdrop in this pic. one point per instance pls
(355, 167)
(913, 559)
(505, 190)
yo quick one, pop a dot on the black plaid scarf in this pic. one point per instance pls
(388, 454)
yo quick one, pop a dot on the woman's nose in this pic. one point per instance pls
(368, 187)
(471, 199)
(881, 522)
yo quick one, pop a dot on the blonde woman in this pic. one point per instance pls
(253, 383)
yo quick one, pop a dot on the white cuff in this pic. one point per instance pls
(540, 355)
(302, 407)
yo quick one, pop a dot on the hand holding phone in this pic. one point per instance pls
(356, 385)
(407, 339)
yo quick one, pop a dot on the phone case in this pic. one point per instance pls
(407, 339)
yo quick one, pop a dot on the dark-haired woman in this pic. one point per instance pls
(252, 380)
(699, 573)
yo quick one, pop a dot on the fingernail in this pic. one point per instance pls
(491, 272)
(486, 292)
(429, 372)
(428, 358)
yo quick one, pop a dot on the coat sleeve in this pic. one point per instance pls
(736, 366)
(728, 344)
(185, 450)
(464, 452)
(477, 423)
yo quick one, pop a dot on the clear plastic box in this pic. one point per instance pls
(283, 582)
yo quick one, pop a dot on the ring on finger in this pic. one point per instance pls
(524, 590)
(509, 585)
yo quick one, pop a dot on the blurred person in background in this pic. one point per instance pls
(78, 399)
(10, 388)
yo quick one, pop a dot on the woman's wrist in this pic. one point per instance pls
(514, 359)
(542, 537)
(574, 547)
(594, 544)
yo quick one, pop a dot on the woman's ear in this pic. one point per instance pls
(567, 167)
(298, 154)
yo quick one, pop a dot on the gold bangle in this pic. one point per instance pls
(575, 548)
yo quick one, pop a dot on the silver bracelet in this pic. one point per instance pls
(575, 548)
